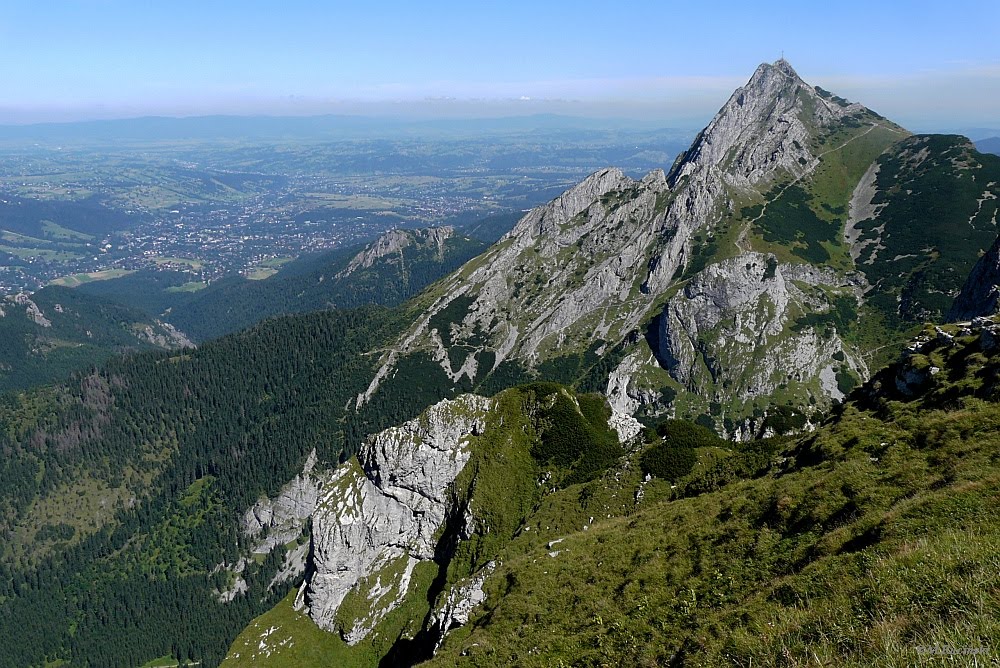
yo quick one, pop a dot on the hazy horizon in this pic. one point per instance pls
(78, 60)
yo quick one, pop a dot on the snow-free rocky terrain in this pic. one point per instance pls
(764, 267)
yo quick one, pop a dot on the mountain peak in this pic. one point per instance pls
(394, 241)
(768, 125)
(785, 67)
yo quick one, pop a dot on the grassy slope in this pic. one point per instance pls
(866, 541)
(856, 545)
(940, 206)
(500, 483)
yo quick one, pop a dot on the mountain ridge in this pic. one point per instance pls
(687, 566)
(591, 272)
(388, 270)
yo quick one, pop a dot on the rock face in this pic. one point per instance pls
(32, 310)
(459, 603)
(547, 284)
(165, 335)
(279, 520)
(380, 514)
(590, 270)
(732, 333)
(766, 126)
(393, 242)
(980, 295)
(273, 522)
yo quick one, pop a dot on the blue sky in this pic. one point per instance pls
(926, 64)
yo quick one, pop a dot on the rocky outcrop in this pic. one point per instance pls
(457, 604)
(273, 522)
(736, 332)
(626, 426)
(32, 310)
(380, 514)
(980, 295)
(393, 242)
(916, 373)
(164, 335)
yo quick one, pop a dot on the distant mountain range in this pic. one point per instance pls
(990, 145)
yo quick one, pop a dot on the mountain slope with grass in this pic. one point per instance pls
(47, 335)
(863, 543)
(465, 473)
(782, 258)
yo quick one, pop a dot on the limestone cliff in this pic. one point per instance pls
(389, 247)
(380, 515)
(588, 276)
(747, 321)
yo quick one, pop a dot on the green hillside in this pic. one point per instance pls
(864, 543)
(166, 505)
(937, 210)
(857, 545)
(742, 554)
(46, 336)
(310, 283)
(170, 448)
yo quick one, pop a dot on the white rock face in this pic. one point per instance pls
(457, 605)
(728, 334)
(394, 241)
(385, 507)
(293, 566)
(32, 310)
(626, 426)
(761, 130)
(165, 336)
(280, 520)
(557, 280)
(861, 208)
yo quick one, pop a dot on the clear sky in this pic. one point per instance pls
(925, 64)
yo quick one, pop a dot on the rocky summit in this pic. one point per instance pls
(665, 291)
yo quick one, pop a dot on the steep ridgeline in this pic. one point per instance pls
(404, 535)
(457, 540)
(606, 286)
(47, 335)
(980, 295)
(786, 254)
(387, 271)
